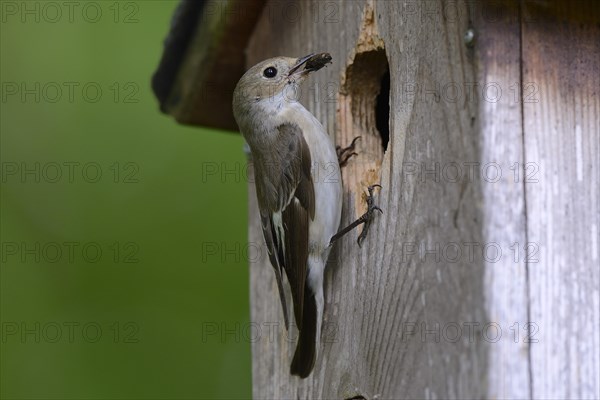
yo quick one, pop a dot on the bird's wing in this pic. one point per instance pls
(286, 200)
(269, 233)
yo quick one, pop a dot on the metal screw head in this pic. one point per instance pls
(469, 37)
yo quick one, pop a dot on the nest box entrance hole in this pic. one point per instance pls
(368, 88)
(382, 110)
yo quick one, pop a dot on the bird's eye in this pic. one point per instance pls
(270, 72)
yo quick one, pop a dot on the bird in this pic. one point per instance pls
(299, 212)
(298, 188)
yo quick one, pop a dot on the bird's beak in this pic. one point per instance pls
(311, 62)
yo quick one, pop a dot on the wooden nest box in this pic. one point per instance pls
(481, 120)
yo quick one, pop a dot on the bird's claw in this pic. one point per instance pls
(344, 154)
(368, 216)
(366, 219)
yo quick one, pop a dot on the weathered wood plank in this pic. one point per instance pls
(530, 113)
(390, 317)
(498, 52)
(561, 77)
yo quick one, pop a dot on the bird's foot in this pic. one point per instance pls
(366, 218)
(344, 154)
(369, 215)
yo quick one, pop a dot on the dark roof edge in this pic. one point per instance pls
(184, 23)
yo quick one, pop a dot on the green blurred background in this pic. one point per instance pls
(167, 283)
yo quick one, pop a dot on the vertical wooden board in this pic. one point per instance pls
(561, 76)
(430, 130)
(390, 314)
(498, 50)
(294, 29)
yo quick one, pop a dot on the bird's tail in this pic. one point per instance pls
(310, 332)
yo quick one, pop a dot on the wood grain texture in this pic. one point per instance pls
(390, 317)
(498, 53)
(561, 113)
(407, 316)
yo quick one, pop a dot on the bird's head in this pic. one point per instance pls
(275, 81)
